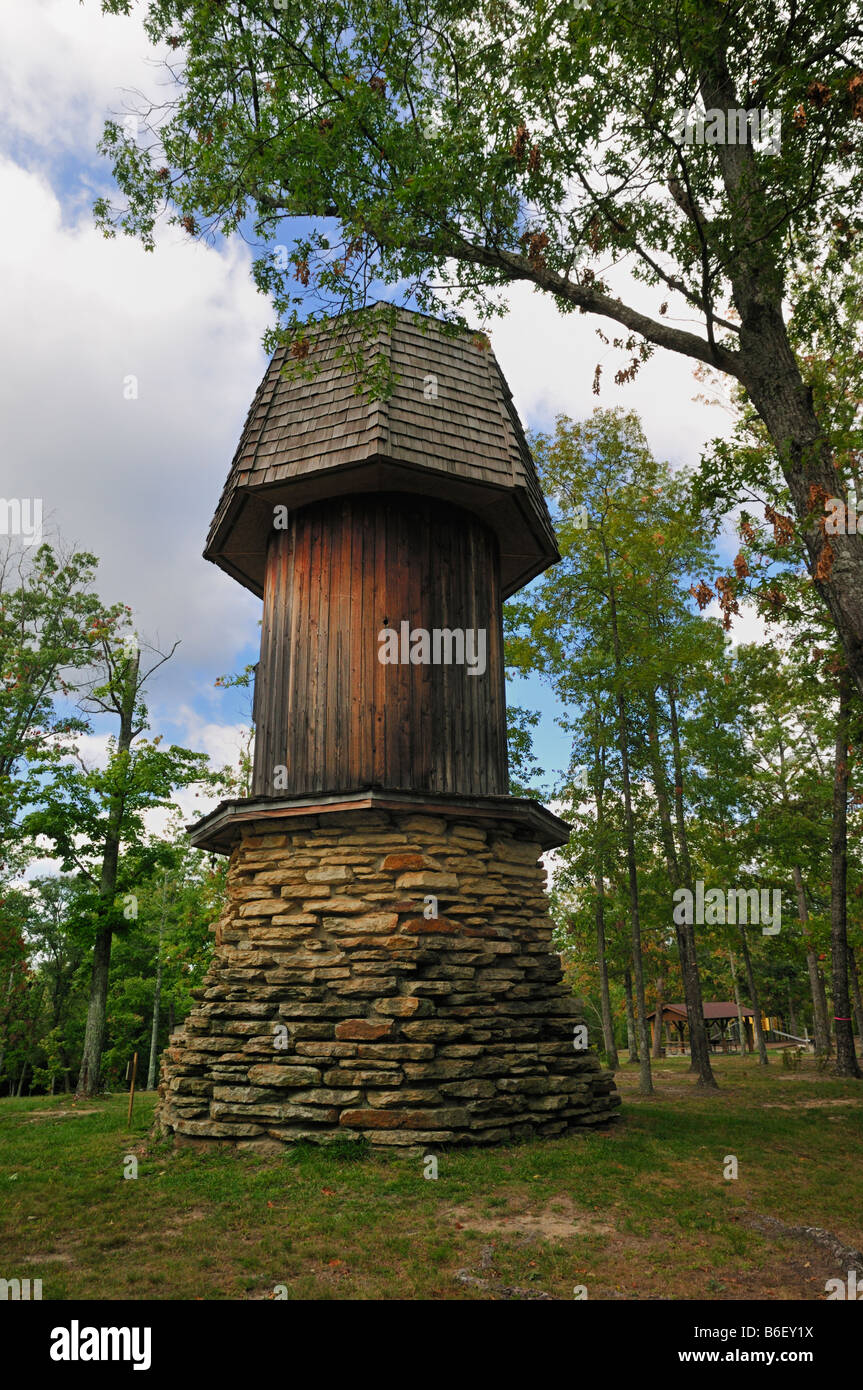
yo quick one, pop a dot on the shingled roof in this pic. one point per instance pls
(449, 429)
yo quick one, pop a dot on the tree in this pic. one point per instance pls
(91, 816)
(613, 618)
(15, 980)
(454, 150)
(49, 617)
(846, 1060)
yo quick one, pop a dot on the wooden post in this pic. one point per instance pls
(132, 1089)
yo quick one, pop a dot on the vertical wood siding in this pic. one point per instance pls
(328, 710)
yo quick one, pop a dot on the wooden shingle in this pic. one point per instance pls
(448, 429)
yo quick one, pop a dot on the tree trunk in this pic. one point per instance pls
(820, 1026)
(631, 1035)
(599, 889)
(645, 1084)
(680, 873)
(657, 1026)
(91, 1057)
(741, 1027)
(771, 374)
(94, 1036)
(763, 1059)
(855, 992)
(846, 1058)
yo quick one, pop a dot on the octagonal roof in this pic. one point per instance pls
(448, 429)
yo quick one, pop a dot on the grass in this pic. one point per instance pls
(640, 1210)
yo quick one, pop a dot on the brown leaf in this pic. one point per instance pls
(519, 144)
(824, 565)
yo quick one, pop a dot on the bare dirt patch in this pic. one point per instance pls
(558, 1221)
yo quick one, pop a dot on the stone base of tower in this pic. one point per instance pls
(334, 1008)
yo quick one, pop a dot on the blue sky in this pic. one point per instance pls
(136, 481)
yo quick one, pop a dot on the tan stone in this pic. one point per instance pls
(326, 1049)
(330, 873)
(342, 1076)
(385, 1100)
(214, 1129)
(427, 880)
(295, 919)
(271, 1074)
(395, 1052)
(423, 825)
(467, 1030)
(379, 922)
(368, 985)
(398, 863)
(362, 1029)
(403, 1006)
(404, 1119)
(334, 907)
(262, 907)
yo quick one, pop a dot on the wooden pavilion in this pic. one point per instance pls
(723, 1026)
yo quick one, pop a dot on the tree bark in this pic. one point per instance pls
(631, 1034)
(657, 1026)
(769, 370)
(645, 1084)
(820, 1027)
(612, 1058)
(855, 992)
(680, 873)
(741, 1027)
(763, 1059)
(846, 1057)
(94, 1036)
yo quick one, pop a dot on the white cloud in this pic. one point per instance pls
(136, 481)
(222, 743)
(64, 67)
(746, 626)
(549, 358)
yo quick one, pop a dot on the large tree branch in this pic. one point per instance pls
(583, 296)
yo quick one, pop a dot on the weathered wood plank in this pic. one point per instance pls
(328, 709)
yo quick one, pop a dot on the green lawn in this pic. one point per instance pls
(640, 1210)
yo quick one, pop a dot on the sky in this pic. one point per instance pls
(132, 470)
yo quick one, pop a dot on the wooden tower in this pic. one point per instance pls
(383, 965)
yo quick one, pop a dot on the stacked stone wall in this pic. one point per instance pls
(335, 1008)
